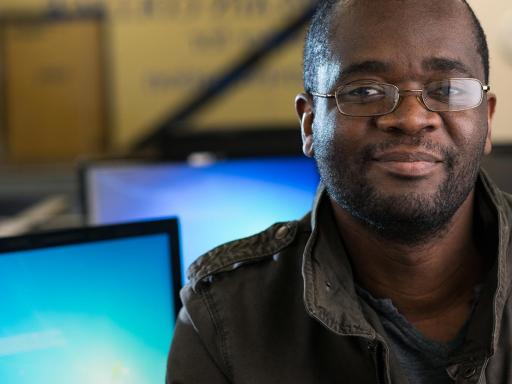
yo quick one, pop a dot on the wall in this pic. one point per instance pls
(496, 18)
(163, 51)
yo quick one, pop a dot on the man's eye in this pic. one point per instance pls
(362, 94)
(446, 92)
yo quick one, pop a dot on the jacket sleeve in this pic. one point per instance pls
(189, 361)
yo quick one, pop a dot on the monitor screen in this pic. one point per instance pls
(94, 305)
(215, 203)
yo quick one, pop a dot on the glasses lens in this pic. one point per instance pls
(453, 95)
(366, 98)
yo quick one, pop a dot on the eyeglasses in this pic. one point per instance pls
(365, 98)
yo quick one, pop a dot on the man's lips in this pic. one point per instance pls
(408, 164)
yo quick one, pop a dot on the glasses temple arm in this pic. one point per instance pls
(327, 95)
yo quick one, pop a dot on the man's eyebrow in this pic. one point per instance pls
(369, 66)
(441, 64)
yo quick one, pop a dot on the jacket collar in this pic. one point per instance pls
(329, 291)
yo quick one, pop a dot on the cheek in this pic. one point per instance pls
(468, 129)
(338, 135)
(353, 134)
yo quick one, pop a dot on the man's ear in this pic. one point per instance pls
(491, 107)
(304, 108)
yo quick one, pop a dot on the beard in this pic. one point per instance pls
(411, 218)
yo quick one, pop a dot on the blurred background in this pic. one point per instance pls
(83, 79)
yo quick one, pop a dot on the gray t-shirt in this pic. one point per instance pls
(423, 360)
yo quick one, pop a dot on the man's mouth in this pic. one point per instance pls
(410, 164)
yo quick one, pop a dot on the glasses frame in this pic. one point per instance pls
(401, 93)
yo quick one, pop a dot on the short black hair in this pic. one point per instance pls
(316, 47)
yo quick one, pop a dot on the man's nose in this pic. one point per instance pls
(410, 117)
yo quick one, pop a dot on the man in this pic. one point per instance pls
(401, 274)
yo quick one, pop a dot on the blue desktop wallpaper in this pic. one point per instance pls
(215, 203)
(97, 313)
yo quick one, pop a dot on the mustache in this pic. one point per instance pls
(446, 153)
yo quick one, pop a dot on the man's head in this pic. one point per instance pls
(403, 174)
(316, 47)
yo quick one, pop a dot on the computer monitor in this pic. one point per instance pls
(215, 202)
(91, 305)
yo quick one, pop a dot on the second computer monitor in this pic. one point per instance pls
(216, 202)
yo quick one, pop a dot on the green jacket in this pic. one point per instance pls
(281, 307)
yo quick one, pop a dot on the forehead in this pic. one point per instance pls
(405, 35)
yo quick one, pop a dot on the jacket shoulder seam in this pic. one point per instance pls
(231, 255)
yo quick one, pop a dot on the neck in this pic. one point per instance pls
(430, 283)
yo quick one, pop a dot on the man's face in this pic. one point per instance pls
(406, 173)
